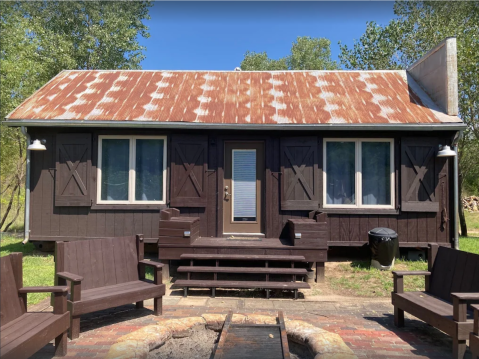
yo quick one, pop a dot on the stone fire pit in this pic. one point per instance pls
(138, 344)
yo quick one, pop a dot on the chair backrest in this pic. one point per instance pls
(101, 262)
(10, 281)
(454, 271)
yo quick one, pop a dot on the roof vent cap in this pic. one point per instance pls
(237, 68)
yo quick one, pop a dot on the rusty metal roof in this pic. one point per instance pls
(233, 97)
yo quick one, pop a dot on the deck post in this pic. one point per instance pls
(166, 269)
(267, 279)
(319, 272)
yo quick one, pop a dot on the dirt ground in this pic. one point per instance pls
(201, 343)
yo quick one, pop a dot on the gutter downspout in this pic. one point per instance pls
(456, 191)
(27, 189)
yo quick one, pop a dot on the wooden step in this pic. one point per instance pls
(245, 270)
(239, 284)
(245, 257)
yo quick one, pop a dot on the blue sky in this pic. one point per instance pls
(215, 35)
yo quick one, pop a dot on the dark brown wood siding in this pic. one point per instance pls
(49, 222)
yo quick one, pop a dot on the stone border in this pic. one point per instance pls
(137, 344)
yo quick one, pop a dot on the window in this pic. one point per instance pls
(131, 170)
(358, 173)
(244, 185)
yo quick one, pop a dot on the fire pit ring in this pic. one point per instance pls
(138, 344)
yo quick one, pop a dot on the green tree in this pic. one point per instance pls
(259, 61)
(39, 39)
(307, 53)
(419, 27)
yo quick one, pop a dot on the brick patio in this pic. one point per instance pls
(365, 325)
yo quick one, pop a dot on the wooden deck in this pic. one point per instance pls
(267, 246)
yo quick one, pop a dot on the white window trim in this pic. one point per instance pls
(358, 173)
(132, 165)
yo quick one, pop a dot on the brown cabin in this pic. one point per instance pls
(251, 154)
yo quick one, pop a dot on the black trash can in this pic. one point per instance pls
(384, 246)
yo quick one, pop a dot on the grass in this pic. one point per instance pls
(469, 244)
(472, 220)
(357, 279)
(38, 269)
(346, 278)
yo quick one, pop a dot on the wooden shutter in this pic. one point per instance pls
(188, 170)
(73, 170)
(419, 174)
(299, 173)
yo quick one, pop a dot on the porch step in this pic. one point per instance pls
(245, 257)
(238, 284)
(245, 270)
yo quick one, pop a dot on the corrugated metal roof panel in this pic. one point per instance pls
(286, 97)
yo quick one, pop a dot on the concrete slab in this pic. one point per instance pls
(170, 300)
(223, 303)
(290, 305)
(320, 306)
(258, 304)
(199, 302)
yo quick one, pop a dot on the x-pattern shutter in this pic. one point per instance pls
(188, 171)
(419, 174)
(73, 170)
(300, 174)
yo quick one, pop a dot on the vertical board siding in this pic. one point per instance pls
(48, 221)
(212, 183)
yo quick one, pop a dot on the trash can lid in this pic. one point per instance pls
(383, 232)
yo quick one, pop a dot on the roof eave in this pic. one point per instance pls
(444, 126)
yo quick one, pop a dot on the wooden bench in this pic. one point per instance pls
(266, 270)
(474, 336)
(106, 273)
(452, 283)
(22, 334)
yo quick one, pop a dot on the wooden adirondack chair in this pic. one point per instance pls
(474, 336)
(452, 283)
(22, 333)
(105, 273)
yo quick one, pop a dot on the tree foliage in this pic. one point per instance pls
(39, 39)
(419, 27)
(307, 53)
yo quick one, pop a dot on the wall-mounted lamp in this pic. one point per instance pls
(445, 151)
(37, 145)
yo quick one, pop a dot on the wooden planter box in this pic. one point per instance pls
(177, 230)
(309, 232)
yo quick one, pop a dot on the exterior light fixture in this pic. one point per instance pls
(445, 151)
(37, 145)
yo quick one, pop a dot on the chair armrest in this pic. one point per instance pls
(158, 277)
(476, 319)
(399, 278)
(459, 302)
(465, 296)
(56, 289)
(151, 264)
(70, 276)
(404, 273)
(75, 279)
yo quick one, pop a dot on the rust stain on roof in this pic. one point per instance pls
(295, 97)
